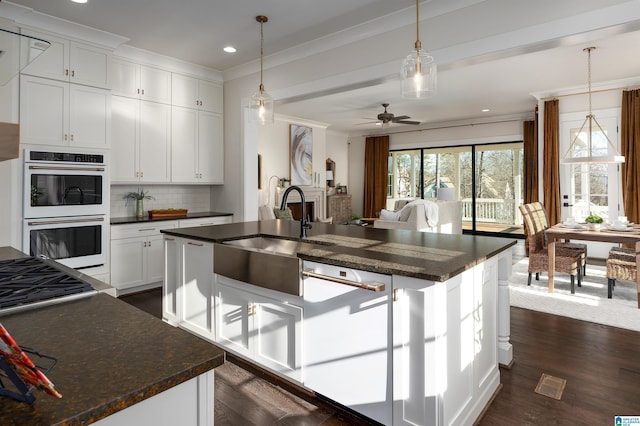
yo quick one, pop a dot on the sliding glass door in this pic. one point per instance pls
(487, 179)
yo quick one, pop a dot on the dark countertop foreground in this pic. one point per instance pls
(110, 354)
(424, 255)
(133, 219)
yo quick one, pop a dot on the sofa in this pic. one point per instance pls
(423, 215)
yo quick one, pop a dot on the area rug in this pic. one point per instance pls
(589, 303)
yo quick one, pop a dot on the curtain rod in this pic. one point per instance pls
(549, 98)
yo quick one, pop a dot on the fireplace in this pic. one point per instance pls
(315, 199)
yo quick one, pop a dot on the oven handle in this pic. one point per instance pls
(58, 222)
(68, 168)
(366, 286)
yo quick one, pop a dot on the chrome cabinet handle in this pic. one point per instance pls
(365, 286)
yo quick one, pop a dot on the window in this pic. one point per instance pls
(487, 179)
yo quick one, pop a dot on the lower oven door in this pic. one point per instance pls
(77, 242)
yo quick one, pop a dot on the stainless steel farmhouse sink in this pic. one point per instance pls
(264, 261)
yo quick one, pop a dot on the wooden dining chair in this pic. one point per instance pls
(566, 261)
(621, 265)
(535, 220)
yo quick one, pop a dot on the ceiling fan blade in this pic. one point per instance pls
(400, 117)
(368, 122)
(407, 122)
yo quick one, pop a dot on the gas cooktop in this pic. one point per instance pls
(29, 280)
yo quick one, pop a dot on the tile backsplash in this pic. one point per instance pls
(194, 198)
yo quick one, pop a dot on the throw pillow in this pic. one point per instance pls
(283, 214)
(389, 215)
(405, 212)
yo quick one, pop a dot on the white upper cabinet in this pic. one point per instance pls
(141, 141)
(70, 61)
(190, 92)
(197, 152)
(62, 114)
(140, 81)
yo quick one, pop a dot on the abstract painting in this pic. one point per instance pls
(301, 149)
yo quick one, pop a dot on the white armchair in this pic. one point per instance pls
(414, 216)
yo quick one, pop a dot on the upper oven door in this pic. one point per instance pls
(53, 190)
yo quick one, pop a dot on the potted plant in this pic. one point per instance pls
(283, 182)
(139, 196)
(356, 219)
(594, 221)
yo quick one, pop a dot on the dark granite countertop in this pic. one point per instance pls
(424, 255)
(110, 355)
(133, 219)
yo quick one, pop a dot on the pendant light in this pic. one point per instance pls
(591, 124)
(261, 107)
(418, 72)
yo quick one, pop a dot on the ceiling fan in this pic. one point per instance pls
(385, 118)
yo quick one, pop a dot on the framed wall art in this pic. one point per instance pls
(301, 154)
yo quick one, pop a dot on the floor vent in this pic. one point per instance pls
(551, 386)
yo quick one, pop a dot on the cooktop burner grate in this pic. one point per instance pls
(30, 279)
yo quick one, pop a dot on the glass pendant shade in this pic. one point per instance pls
(419, 75)
(582, 149)
(418, 72)
(261, 108)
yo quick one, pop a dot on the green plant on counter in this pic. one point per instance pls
(593, 218)
(140, 194)
(283, 181)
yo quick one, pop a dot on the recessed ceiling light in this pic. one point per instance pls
(229, 49)
(486, 110)
(79, 1)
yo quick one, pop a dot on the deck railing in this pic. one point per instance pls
(493, 210)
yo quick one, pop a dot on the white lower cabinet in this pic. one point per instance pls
(137, 254)
(417, 353)
(268, 330)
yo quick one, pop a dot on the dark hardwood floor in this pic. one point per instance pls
(600, 364)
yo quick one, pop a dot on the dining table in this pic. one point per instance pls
(628, 235)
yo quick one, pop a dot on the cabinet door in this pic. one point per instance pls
(128, 265)
(124, 139)
(418, 352)
(171, 285)
(43, 111)
(197, 288)
(184, 134)
(210, 154)
(276, 338)
(210, 96)
(184, 91)
(154, 259)
(124, 78)
(89, 65)
(154, 141)
(53, 62)
(89, 117)
(155, 84)
(460, 391)
(486, 320)
(232, 318)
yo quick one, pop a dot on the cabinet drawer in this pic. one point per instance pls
(140, 229)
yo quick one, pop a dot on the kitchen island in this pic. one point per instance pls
(115, 365)
(402, 327)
